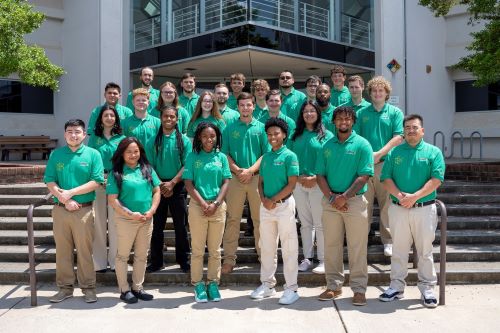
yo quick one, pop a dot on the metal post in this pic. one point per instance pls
(170, 21)
(279, 13)
(163, 21)
(202, 16)
(296, 16)
(349, 27)
(442, 253)
(220, 14)
(31, 255)
(305, 18)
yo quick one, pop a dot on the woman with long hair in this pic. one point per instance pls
(169, 97)
(207, 110)
(306, 143)
(206, 175)
(134, 193)
(167, 154)
(107, 135)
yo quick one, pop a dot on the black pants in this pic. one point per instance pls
(178, 210)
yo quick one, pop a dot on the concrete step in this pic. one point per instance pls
(24, 189)
(379, 275)
(468, 198)
(454, 253)
(467, 236)
(455, 186)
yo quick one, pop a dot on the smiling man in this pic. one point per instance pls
(340, 93)
(141, 124)
(146, 78)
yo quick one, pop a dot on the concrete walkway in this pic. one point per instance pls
(471, 308)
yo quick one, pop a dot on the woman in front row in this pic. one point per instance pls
(206, 176)
(134, 193)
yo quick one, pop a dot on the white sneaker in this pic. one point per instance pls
(305, 265)
(320, 269)
(390, 295)
(263, 291)
(388, 250)
(289, 297)
(429, 300)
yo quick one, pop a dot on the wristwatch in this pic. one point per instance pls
(216, 203)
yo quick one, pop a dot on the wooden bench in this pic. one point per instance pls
(26, 145)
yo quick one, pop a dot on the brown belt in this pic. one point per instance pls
(85, 204)
(284, 199)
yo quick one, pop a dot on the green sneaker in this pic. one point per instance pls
(213, 292)
(200, 293)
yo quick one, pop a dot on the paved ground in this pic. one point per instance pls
(471, 308)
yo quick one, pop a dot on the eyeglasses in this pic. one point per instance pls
(168, 92)
(285, 77)
(207, 101)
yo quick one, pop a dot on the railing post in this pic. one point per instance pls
(349, 29)
(31, 255)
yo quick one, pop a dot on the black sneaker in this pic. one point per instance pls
(186, 268)
(128, 297)
(142, 295)
(248, 233)
(151, 268)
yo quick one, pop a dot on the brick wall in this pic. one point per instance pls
(484, 172)
(21, 174)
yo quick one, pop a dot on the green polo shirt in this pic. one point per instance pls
(275, 168)
(189, 103)
(327, 118)
(154, 94)
(230, 115)
(136, 192)
(307, 147)
(245, 143)
(342, 162)
(183, 118)
(411, 167)
(207, 172)
(339, 97)
(167, 160)
(70, 169)
(232, 103)
(291, 124)
(142, 129)
(123, 112)
(357, 108)
(217, 122)
(288, 103)
(258, 111)
(106, 147)
(379, 127)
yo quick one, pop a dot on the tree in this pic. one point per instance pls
(17, 18)
(484, 60)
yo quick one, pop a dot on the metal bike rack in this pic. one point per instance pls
(460, 135)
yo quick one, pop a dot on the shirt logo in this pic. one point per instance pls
(84, 164)
(235, 135)
(198, 164)
(218, 164)
(398, 160)
(278, 163)
(100, 141)
(423, 159)
(59, 166)
(366, 119)
(350, 152)
(327, 153)
(384, 117)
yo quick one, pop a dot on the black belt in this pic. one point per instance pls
(417, 204)
(284, 199)
(85, 204)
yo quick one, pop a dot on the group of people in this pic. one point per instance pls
(324, 155)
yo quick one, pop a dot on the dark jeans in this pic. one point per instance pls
(178, 210)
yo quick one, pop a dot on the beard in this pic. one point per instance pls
(322, 102)
(343, 130)
(221, 101)
(285, 86)
(146, 84)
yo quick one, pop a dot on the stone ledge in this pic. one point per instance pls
(21, 173)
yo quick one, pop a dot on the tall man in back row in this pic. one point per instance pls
(146, 78)
(382, 125)
(412, 173)
(72, 175)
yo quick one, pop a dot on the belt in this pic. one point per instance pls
(284, 199)
(418, 204)
(85, 204)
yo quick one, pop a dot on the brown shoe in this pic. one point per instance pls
(227, 268)
(359, 299)
(330, 294)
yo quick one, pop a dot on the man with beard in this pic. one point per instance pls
(237, 83)
(344, 167)
(356, 86)
(189, 98)
(146, 78)
(323, 100)
(228, 114)
(340, 93)
(244, 142)
(289, 96)
(382, 125)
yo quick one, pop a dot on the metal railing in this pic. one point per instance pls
(443, 228)
(186, 21)
(221, 13)
(355, 31)
(274, 12)
(31, 245)
(461, 137)
(314, 20)
(147, 33)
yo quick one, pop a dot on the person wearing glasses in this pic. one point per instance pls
(289, 95)
(207, 110)
(169, 97)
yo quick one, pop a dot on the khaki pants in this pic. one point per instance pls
(279, 224)
(235, 199)
(105, 228)
(130, 234)
(209, 231)
(74, 230)
(408, 225)
(354, 224)
(309, 208)
(377, 190)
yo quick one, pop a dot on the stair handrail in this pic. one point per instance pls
(443, 221)
(31, 245)
(453, 146)
(443, 147)
(480, 145)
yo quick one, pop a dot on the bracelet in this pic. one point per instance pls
(216, 203)
(331, 199)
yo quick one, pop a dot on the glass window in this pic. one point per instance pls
(356, 22)
(470, 98)
(17, 97)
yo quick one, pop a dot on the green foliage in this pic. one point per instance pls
(484, 60)
(17, 18)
